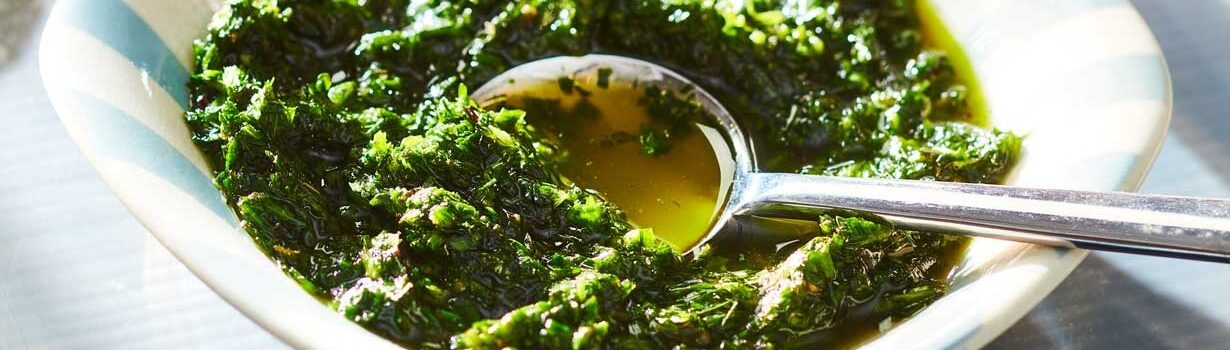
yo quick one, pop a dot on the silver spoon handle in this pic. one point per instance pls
(1193, 228)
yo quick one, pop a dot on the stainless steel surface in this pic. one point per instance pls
(1191, 228)
(77, 271)
(589, 68)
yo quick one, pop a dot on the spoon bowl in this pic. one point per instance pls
(768, 208)
(731, 147)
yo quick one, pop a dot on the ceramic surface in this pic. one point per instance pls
(1083, 79)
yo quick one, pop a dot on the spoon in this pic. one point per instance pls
(758, 207)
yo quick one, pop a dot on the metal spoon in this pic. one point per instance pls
(769, 207)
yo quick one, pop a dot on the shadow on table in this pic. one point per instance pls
(1115, 312)
(18, 19)
(1191, 36)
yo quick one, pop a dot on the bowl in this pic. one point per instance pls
(1083, 79)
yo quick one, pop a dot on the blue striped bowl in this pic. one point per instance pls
(1084, 79)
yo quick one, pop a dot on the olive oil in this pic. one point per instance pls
(864, 323)
(428, 196)
(937, 37)
(603, 128)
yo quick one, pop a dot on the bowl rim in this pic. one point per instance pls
(65, 100)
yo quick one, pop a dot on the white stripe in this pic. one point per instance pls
(1014, 87)
(1066, 157)
(1082, 40)
(78, 61)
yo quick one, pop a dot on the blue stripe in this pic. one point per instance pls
(123, 137)
(117, 26)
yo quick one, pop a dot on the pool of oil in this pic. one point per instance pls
(599, 127)
(936, 36)
(862, 322)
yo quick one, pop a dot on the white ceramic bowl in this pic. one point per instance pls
(1084, 79)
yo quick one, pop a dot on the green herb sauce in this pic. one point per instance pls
(641, 147)
(343, 137)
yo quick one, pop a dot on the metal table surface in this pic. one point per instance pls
(77, 271)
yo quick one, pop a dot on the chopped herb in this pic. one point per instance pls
(342, 135)
(604, 77)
